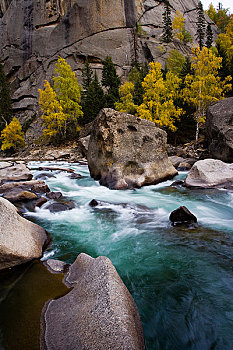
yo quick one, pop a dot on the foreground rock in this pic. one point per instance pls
(219, 130)
(20, 239)
(99, 312)
(126, 152)
(182, 216)
(210, 173)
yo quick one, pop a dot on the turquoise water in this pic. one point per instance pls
(181, 279)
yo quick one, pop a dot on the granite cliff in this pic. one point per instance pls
(34, 33)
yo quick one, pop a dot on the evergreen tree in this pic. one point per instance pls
(209, 36)
(5, 100)
(111, 81)
(93, 102)
(87, 75)
(200, 25)
(167, 24)
(136, 76)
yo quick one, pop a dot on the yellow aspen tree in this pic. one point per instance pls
(12, 136)
(53, 115)
(225, 41)
(158, 99)
(204, 86)
(68, 92)
(178, 26)
(126, 103)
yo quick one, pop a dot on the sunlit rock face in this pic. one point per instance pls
(34, 33)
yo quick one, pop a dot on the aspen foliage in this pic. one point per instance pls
(12, 136)
(60, 104)
(178, 26)
(158, 99)
(225, 41)
(53, 116)
(204, 86)
(126, 103)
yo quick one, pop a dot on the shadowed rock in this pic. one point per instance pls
(126, 152)
(20, 239)
(219, 130)
(99, 312)
(182, 216)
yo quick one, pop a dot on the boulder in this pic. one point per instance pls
(19, 196)
(184, 166)
(98, 313)
(175, 160)
(17, 172)
(209, 173)
(37, 186)
(54, 195)
(126, 151)
(20, 239)
(83, 143)
(219, 130)
(182, 216)
(56, 266)
(61, 206)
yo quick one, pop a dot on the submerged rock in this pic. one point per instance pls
(126, 152)
(209, 173)
(219, 130)
(20, 239)
(61, 206)
(182, 216)
(98, 313)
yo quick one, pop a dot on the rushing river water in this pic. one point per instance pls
(181, 279)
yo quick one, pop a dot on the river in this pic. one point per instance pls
(180, 278)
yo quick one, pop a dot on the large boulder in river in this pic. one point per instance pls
(210, 173)
(125, 151)
(20, 239)
(219, 130)
(98, 313)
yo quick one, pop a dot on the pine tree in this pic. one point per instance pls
(209, 36)
(5, 99)
(111, 81)
(167, 24)
(12, 136)
(93, 101)
(200, 25)
(87, 75)
(136, 76)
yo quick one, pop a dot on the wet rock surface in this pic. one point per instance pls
(182, 216)
(99, 312)
(126, 152)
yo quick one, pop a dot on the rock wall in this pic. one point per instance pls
(34, 33)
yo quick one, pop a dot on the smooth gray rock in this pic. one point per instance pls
(98, 313)
(175, 160)
(126, 152)
(209, 173)
(219, 130)
(17, 172)
(20, 239)
(37, 186)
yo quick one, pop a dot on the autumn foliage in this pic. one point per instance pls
(12, 136)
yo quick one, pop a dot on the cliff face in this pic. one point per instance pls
(34, 33)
